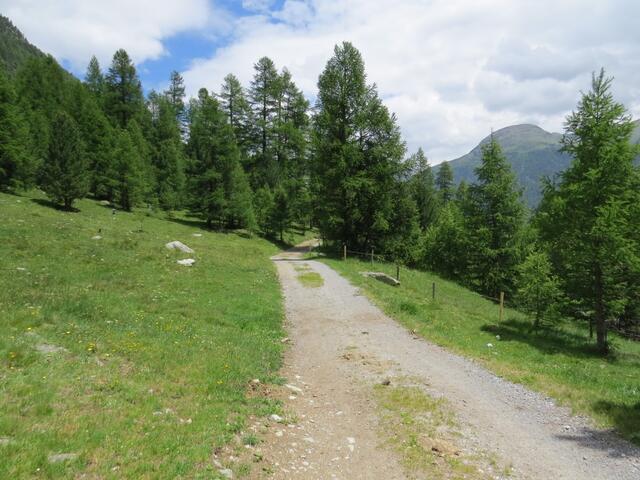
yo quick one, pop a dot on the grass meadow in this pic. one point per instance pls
(559, 360)
(110, 352)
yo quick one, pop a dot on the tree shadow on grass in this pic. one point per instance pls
(56, 206)
(545, 339)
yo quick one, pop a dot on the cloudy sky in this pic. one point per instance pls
(450, 69)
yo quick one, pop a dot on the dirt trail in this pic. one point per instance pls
(336, 431)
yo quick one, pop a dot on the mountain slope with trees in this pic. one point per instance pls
(15, 49)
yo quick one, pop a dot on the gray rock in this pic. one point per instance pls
(96, 237)
(383, 277)
(176, 245)
(187, 262)
(275, 417)
(46, 349)
(5, 441)
(62, 457)
(226, 472)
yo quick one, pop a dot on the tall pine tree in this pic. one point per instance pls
(494, 219)
(65, 176)
(590, 219)
(123, 92)
(357, 155)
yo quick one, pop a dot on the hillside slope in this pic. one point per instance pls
(15, 49)
(533, 153)
(116, 356)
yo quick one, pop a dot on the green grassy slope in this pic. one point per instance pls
(559, 361)
(156, 356)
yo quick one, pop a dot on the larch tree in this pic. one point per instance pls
(444, 182)
(217, 186)
(494, 219)
(423, 189)
(358, 154)
(589, 220)
(17, 164)
(123, 92)
(64, 175)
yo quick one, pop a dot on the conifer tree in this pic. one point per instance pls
(128, 175)
(64, 175)
(423, 189)
(94, 79)
(590, 219)
(167, 156)
(17, 163)
(262, 94)
(538, 289)
(444, 181)
(123, 93)
(234, 102)
(357, 155)
(217, 188)
(494, 219)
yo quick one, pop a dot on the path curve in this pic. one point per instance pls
(337, 434)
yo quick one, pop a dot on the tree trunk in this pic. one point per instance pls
(600, 319)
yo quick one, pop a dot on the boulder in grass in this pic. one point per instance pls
(176, 245)
(187, 262)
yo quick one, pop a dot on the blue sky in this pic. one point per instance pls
(451, 70)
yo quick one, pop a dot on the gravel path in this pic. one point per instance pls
(336, 433)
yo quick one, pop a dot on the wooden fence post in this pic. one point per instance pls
(398, 272)
(433, 291)
(501, 305)
(344, 252)
(372, 256)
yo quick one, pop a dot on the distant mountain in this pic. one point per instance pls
(533, 153)
(15, 49)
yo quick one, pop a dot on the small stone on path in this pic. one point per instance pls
(187, 262)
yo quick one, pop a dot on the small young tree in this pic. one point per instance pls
(128, 172)
(538, 290)
(64, 175)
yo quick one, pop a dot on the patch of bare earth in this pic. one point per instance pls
(366, 399)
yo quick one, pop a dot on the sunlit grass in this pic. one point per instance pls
(111, 351)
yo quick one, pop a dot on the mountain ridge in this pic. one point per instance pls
(533, 153)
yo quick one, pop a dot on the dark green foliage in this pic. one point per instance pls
(445, 244)
(444, 181)
(128, 176)
(167, 156)
(64, 175)
(217, 187)
(538, 289)
(17, 163)
(590, 219)
(123, 92)
(263, 94)
(234, 102)
(423, 189)
(175, 94)
(15, 49)
(97, 134)
(357, 155)
(94, 79)
(494, 218)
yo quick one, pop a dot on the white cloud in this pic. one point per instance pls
(451, 70)
(76, 29)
